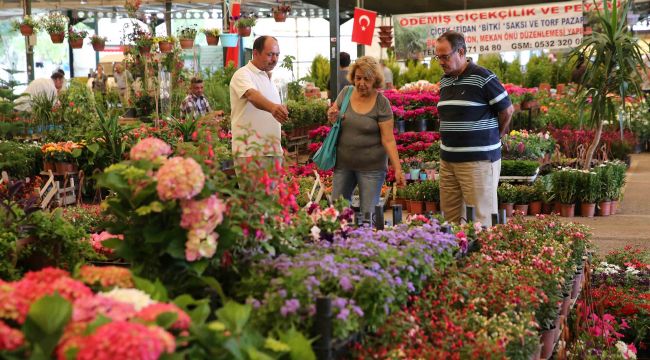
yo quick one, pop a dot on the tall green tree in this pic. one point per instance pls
(613, 58)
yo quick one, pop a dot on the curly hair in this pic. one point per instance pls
(368, 66)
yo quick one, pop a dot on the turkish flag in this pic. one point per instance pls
(232, 54)
(364, 26)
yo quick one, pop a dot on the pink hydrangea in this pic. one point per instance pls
(151, 312)
(125, 340)
(180, 178)
(10, 338)
(88, 308)
(200, 244)
(96, 241)
(202, 215)
(151, 149)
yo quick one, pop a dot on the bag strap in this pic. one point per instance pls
(346, 101)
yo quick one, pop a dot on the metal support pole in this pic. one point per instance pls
(168, 17)
(379, 217)
(322, 329)
(397, 214)
(70, 50)
(469, 214)
(502, 216)
(29, 49)
(495, 219)
(96, 26)
(334, 47)
(361, 49)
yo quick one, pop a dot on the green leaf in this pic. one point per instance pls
(234, 315)
(199, 266)
(198, 310)
(300, 345)
(93, 148)
(214, 284)
(166, 319)
(156, 290)
(45, 322)
(255, 354)
(113, 243)
(97, 323)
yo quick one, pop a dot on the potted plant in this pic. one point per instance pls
(281, 11)
(27, 25)
(565, 188)
(528, 101)
(186, 36)
(536, 197)
(211, 36)
(614, 57)
(507, 195)
(244, 25)
(55, 25)
(76, 38)
(618, 174)
(165, 43)
(589, 185)
(522, 197)
(414, 197)
(228, 39)
(430, 194)
(98, 42)
(143, 42)
(545, 184)
(415, 168)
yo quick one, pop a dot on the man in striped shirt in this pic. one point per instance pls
(474, 111)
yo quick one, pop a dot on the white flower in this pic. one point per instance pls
(625, 351)
(135, 297)
(632, 271)
(315, 233)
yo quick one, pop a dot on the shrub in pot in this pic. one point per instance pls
(589, 192)
(507, 194)
(566, 189)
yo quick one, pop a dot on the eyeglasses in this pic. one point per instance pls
(445, 57)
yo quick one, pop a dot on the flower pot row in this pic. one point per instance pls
(418, 206)
(603, 208)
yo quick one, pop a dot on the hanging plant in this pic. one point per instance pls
(27, 25)
(211, 35)
(55, 25)
(98, 42)
(244, 25)
(186, 36)
(76, 38)
(132, 6)
(281, 11)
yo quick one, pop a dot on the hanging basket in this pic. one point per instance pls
(165, 47)
(212, 40)
(187, 43)
(144, 49)
(26, 30)
(279, 16)
(229, 40)
(99, 46)
(57, 38)
(76, 43)
(244, 31)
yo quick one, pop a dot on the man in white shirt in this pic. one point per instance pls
(388, 75)
(49, 88)
(257, 111)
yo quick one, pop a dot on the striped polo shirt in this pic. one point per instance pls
(468, 109)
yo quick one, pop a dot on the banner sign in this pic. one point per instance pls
(530, 27)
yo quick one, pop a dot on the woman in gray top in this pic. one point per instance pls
(366, 139)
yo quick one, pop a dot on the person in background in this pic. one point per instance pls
(388, 75)
(366, 139)
(474, 111)
(344, 65)
(123, 79)
(47, 87)
(257, 112)
(99, 83)
(195, 104)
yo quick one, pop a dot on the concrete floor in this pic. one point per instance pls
(631, 224)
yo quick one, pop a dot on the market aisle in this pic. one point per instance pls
(631, 224)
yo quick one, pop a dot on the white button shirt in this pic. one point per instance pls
(254, 131)
(38, 87)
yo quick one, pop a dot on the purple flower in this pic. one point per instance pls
(345, 283)
(290, 307)
(343, 314)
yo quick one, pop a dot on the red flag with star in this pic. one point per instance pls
(364, 26)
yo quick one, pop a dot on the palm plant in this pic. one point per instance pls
(113, 135)
(613, 57)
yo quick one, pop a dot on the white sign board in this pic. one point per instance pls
(541, 26)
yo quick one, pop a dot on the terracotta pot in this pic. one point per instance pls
(244, 31)
(165, 46)
(99, 46)
(430, 206)
(212, 40)
(567, 210)
(521, 208)
(279, 16)
(587, 210)
(604, 208)
(530, 104)
(535, 208)
(65, 167)
(548, 342)
(613, 207)
(417, 207)
(556, 207)
(509, 207)
(26, 30)
(187, 43)
(48, 165)
(57, 38)
(547, 208)
(76, 43)
(577, 285)
(146, 49)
